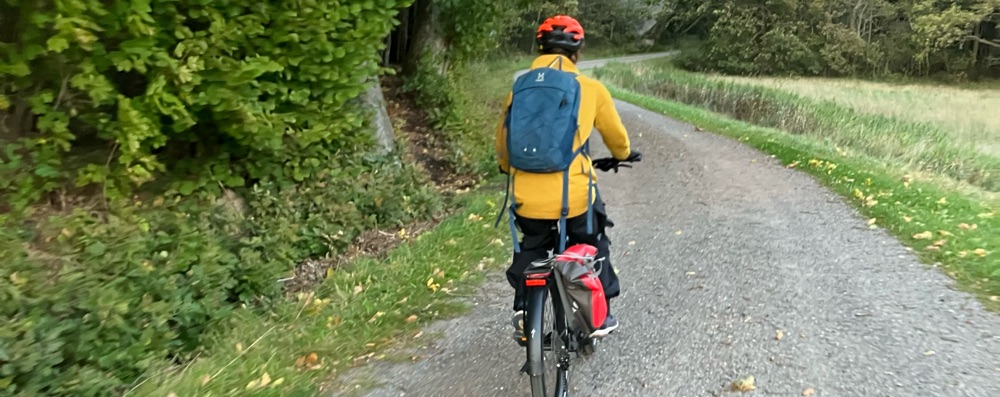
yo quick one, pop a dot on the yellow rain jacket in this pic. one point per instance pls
(539, 196)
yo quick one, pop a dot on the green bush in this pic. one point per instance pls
(92, 302)
(117, 93)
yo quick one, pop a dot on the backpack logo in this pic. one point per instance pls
(541, 77)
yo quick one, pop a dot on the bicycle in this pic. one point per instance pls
(542, 281)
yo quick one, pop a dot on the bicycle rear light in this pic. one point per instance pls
(535, 282)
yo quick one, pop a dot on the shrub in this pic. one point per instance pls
(219, 91)
(91, 302)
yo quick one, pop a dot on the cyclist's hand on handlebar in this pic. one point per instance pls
(611, 163)
(608, 164)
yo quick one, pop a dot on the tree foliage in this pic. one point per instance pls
(849, 37)
(220, 90)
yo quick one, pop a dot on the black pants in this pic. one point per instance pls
(542, 235)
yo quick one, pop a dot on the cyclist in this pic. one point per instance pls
(537, 199)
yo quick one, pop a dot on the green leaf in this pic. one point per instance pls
(187, 187)
(57, 44)
(96, 248)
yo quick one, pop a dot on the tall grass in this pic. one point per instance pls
(902, 143)
(971, 117)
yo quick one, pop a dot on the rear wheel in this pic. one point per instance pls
(547, 362)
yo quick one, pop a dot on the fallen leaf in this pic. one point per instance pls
(871, 221)
(358, 288)
(923, 236)
(808, 392)
(986, 215)
(312, 358)
(871, 203)
(908, 219)
(412, 318)
(945, 233)
(962, 254)
(205, 379)
(940, 243)
(793, 164)
(929, 353)
(942, 201)
(745, 384)
(995, 298)
(265, 380)
(678, 232)
(779, 335)
(932, 248)
(301, 361)
(171, 394)
(980, 252)
(239, 347)
(475, 217)
(691, 273)
(278, 382)
(966, 226)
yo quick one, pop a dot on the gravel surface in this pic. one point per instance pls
(718, 248)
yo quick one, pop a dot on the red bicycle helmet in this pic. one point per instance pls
(560, 31)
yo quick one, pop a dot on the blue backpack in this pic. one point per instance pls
(541, 125)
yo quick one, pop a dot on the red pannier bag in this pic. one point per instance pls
(575, 267)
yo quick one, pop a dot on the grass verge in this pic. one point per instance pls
(356, 312)
(941, 225)
(921, 148)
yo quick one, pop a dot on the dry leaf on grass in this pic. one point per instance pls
(966, 226)
(979, 252)
(259, 383)
(412, 318)
(923, 236)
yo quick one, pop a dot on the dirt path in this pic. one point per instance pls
(720, 248)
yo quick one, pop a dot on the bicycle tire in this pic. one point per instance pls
(535, 328)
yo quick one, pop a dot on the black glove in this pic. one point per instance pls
(609, 164)
(634, 156)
